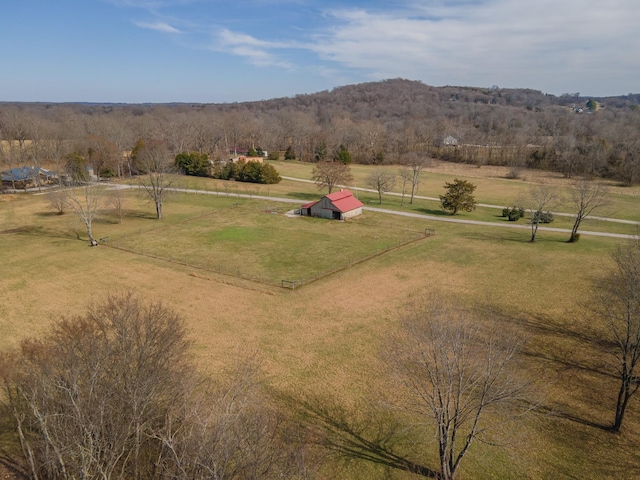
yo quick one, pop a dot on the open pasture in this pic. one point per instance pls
(493, 187)
(325, 338)
(254, 239)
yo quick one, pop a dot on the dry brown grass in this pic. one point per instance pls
(324, 338)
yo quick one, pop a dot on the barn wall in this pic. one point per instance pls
(352, 213)
(317, 211)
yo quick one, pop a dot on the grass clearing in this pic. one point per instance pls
(493, 187)
(247, 240)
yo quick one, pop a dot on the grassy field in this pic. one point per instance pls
(253, 239)
(492, 186)
(324, 338)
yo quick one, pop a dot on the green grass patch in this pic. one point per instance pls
(250, 241)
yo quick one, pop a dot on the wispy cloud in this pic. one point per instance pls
(543, 44)
(158, 26)
(259, 52)
(490, 41)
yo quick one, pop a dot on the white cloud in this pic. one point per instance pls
(158, 26)
(255, 50)
(481, 43)
(573, 45)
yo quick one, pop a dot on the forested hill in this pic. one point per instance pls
(401, 97)
(378, 122)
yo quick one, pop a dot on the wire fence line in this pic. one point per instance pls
(236, 271)
(293, 284)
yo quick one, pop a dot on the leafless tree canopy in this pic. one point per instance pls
(381, 181)
(452, 373)
(586, 197)
(157, 172)
(113, 394)
(541, 198)
(414, 164)
(377, 122)
(331, 174)
(618, 303)
(85, 200)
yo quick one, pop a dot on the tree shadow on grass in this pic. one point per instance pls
(12, 467)
(374, 438)
(304, 196)
(552, 412)
(434, 211)
(52, 213)
(544, 327)
(142, 214)
(37, 231)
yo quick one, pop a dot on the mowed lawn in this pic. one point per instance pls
(257, 240)
(325, 338)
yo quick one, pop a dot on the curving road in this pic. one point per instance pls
(432, 218)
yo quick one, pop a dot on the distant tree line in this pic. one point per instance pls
(370, 123)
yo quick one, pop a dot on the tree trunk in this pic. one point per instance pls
(92, 241)
(534, 231)
(574, 233)
(621, 405)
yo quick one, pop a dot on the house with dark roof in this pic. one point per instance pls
(26, 176)
(338, 206)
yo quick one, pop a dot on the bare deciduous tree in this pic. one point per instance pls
(415, 165)
(586, 198)
(381, 181)
(618, 303)
(405, 179)
(226, 430)
(58, 200)
(541, 198)
(453, 373)
(157, 172)
(331, 175)
(87, 397)
(115, 198)
(112, 394)
(86, 201)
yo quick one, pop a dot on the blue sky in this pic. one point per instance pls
(224, 51)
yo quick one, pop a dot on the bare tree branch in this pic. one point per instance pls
(453, 372)
(586, 197)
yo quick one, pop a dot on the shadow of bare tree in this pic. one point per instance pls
(570, 342)
(374, 438)
(546, 410)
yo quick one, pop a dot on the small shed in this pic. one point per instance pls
(337, 206)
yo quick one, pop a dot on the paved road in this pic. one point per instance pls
(433, 218)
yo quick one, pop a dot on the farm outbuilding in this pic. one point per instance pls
(338, 206)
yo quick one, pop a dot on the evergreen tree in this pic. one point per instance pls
(342, 155)
(289, 154)
(459, 196)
